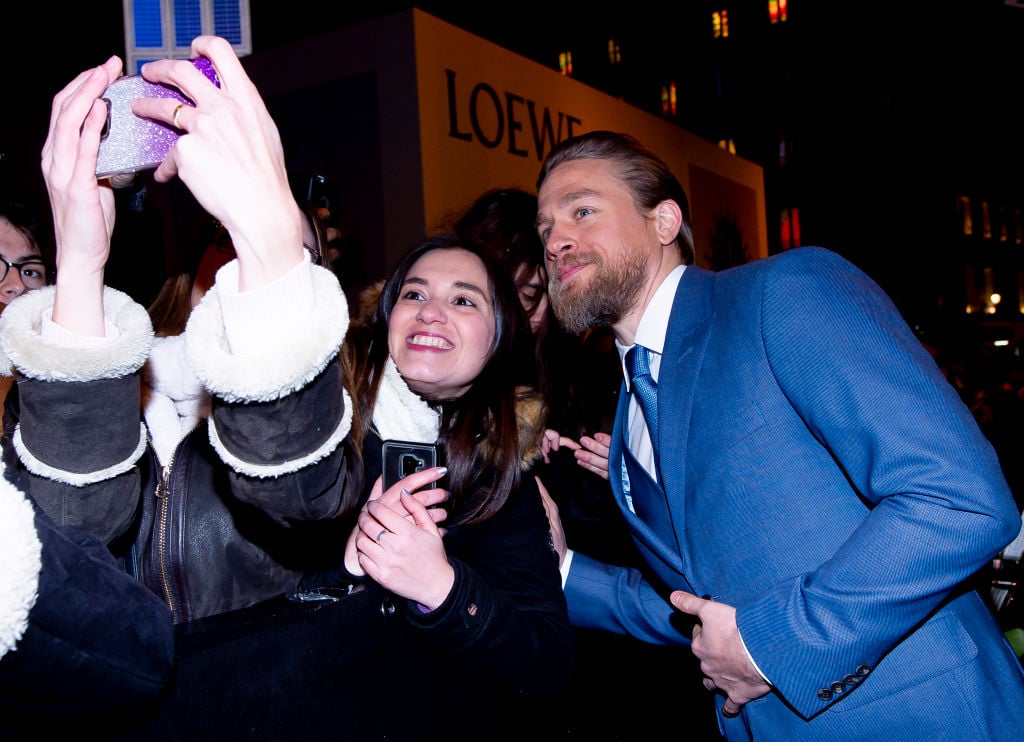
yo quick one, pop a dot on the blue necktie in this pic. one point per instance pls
(644, 388)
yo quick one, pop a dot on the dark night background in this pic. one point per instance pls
(894, 107)
(949, 74)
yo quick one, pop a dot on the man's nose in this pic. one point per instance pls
(557, 244)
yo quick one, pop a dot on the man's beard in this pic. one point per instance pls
(603, 299)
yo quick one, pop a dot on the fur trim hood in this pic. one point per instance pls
(532, 415)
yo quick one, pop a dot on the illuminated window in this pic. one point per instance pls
(720, 24)
(164, 29)
(986, 221)
(614, 53)
(728, 145)
(990, 297)
(668, 99)
(565, 63)
(777, 11)
(971, 305)
(789, 228)
(966, 222)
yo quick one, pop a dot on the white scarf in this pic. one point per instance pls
(400, 414)
(174, 400)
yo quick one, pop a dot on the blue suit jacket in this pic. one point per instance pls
(821, 476)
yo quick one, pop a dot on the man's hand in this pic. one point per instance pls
(718, 646)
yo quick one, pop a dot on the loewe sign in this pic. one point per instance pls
(478, 112)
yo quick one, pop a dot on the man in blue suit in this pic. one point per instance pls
(805, 468)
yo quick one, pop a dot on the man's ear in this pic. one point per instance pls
(668, 218)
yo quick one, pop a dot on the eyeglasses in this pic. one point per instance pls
(32, 272)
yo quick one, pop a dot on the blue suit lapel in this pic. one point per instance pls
(687, 337)
(685, 343)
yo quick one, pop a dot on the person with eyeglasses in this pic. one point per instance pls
(23, 267)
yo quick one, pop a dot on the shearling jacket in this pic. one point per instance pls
(251, 501)
(79, 639)
(74, 442)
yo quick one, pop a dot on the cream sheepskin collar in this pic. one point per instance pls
(400, 414)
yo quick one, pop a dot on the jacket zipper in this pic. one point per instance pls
(163, 506)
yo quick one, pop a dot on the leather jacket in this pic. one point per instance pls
(261, 494)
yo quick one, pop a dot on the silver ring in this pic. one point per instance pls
(174, 118)
(381, 534)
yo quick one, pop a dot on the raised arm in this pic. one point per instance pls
(78, 434)
(83, 208)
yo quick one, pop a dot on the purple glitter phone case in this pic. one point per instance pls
(131, 143)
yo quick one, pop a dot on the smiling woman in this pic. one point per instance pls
(449, 325)
(442, 327)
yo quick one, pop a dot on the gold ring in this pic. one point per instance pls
(381, 534)
(174, 118)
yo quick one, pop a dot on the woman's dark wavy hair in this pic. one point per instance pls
(645, 174)
(478, 430)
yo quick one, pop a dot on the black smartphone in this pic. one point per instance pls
(324, 192)
(402, 458)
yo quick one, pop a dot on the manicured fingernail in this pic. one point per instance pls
(405, 492)
(442, 470)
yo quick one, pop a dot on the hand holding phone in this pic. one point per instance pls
(130, 143)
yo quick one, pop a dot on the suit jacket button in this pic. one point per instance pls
(825, 694)
(837, 687)
(387, 608)
(850, 680)
(863, 671)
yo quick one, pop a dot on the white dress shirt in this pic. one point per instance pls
(650, 333)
